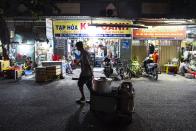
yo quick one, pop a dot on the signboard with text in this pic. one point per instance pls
(161, 32)
(82, 28)
(49, 32)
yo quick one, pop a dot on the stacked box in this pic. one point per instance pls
(53, 71)
(47, 73)
(40, 74)
(54, 63)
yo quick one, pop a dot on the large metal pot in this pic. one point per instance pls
(102, 84)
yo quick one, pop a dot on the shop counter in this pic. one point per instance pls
(171, 68)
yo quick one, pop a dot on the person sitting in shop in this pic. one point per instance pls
(28, 64)
(184, 68)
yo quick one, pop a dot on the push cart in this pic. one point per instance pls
(116, 105)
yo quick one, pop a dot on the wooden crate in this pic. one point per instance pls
(53, 67)
(40, 74)
(47, 73)
(58, 64)
(53, 70)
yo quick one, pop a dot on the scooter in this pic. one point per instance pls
(120, 69)
(108, 70)
(151, 69)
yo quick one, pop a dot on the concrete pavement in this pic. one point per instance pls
(168, 104)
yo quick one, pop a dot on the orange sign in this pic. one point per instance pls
(161, 32)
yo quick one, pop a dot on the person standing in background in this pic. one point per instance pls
(155, 56)
(151, 49)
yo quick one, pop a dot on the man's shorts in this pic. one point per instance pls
(85, 80)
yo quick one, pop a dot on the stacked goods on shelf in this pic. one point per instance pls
(12, 74)
(40, 74)
(53, 72)
(4, 64)
(9, 74)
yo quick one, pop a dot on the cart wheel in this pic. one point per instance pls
(125, 119)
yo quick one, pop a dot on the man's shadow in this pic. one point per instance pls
(82, 121)
(87, 121)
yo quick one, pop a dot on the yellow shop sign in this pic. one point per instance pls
(82, 28)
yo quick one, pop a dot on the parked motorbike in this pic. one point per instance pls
(108, 70)
(151, 68)
(120, 69)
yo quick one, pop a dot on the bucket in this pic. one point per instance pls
(102, 84)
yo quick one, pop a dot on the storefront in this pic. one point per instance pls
(22, 47)
(1, 51)
(28, 39)
(165, 39)
(44, 47)
(101, 37)
(190, 41)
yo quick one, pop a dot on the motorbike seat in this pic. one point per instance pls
(152, 65)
